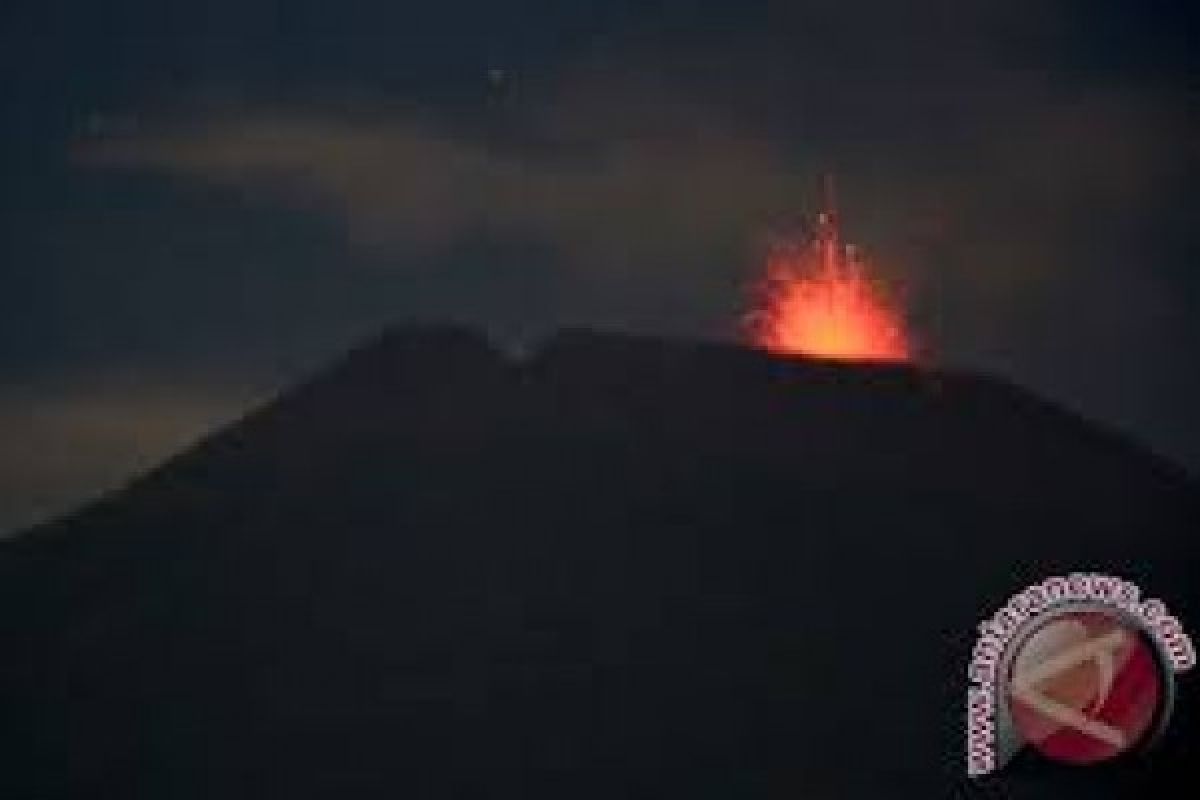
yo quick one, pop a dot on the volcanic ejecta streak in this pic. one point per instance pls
(818, 299)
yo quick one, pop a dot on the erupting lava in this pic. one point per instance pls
(818, 300)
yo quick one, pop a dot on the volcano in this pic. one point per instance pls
(620, 567)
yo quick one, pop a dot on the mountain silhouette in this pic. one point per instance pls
(620, 567)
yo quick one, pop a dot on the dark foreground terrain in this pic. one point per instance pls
(620, 568)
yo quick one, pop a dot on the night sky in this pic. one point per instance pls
(204, 202)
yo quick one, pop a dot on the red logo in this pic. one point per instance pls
(1085, 687)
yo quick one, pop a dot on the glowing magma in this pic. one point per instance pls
(818, 300)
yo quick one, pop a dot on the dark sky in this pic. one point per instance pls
(203, 201)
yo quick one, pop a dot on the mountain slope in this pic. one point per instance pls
(621, 568)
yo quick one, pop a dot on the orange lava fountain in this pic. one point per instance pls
(818, 300)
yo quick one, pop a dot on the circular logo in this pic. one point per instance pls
(1086, 686)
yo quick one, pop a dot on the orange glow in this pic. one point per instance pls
(818, 300)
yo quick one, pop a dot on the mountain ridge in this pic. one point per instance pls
(798, 368)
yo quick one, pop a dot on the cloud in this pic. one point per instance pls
(637, 176)
(395, 184)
